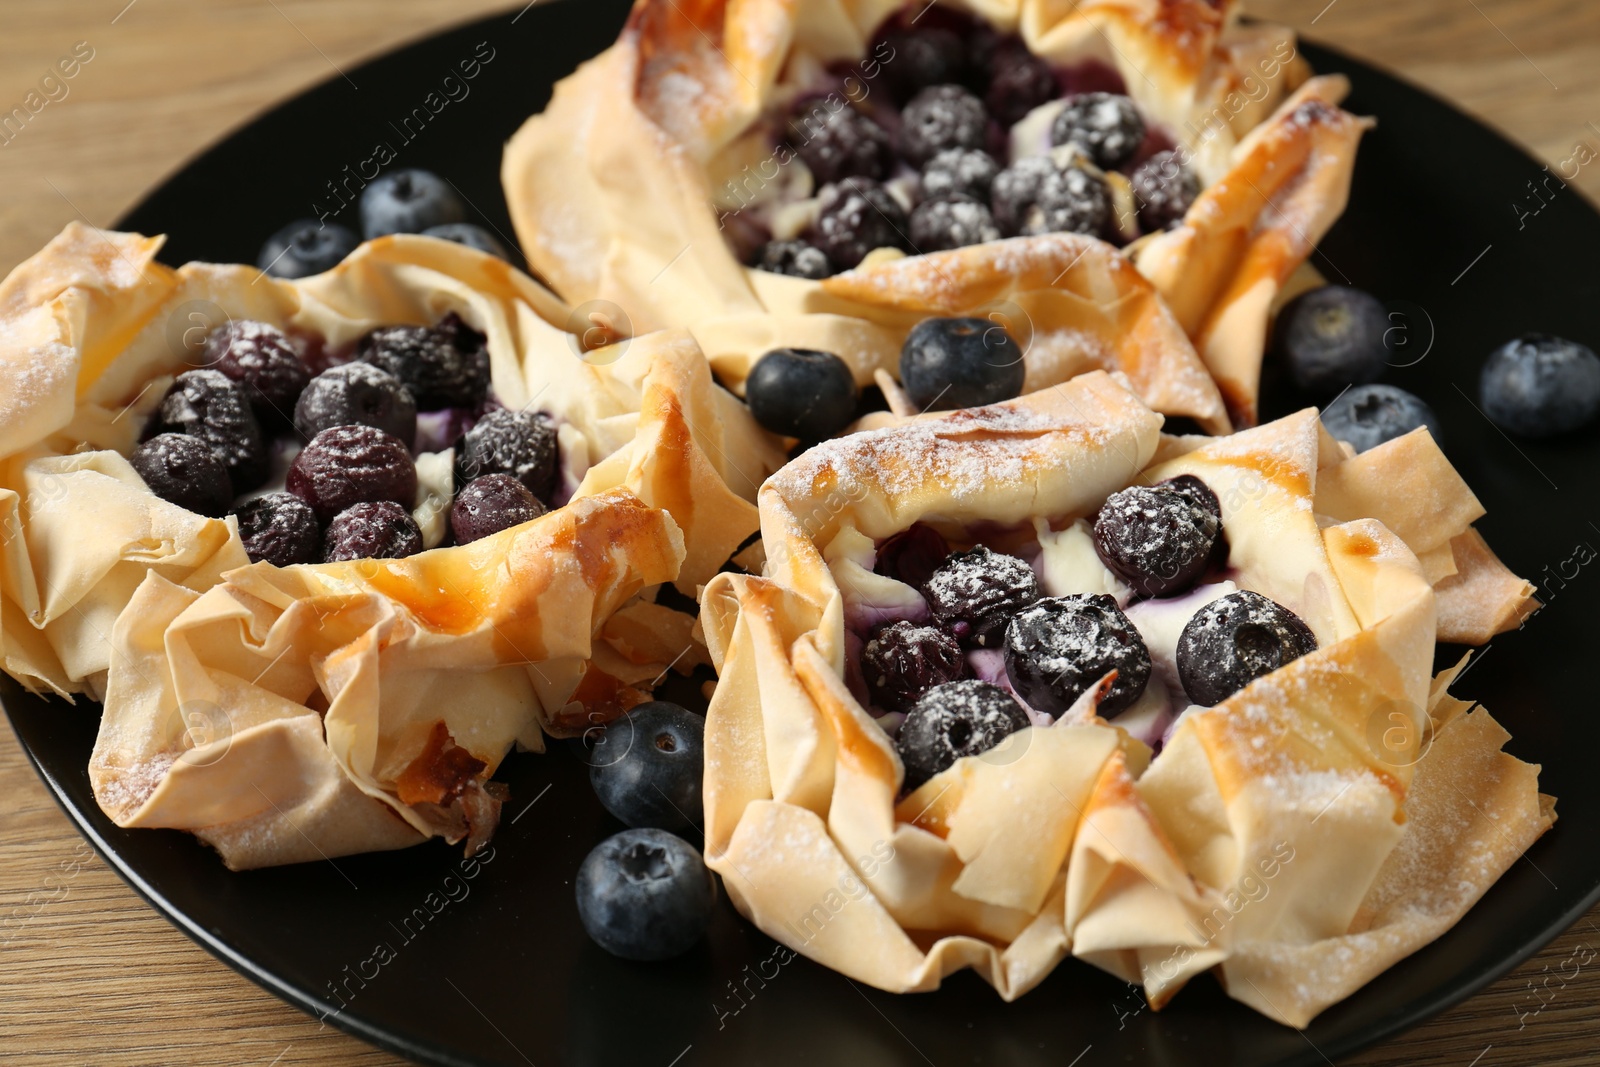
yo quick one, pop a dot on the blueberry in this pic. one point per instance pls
(837, 142)
(1164, 190)
(1234, 640)
(802, 393)
(939, 118)
(213, 407)
(963, 171)
(1157, 539)
(794, 258)
(1035, 196)
(372, 529)
(647, 771)
(1021, 81)
(490, 504)
(444, 366)
(960, 363)
(915, 57)
(408, 201)
(185, 471)
(263, 360)
(912, 556)
(855, 217)
(522, 444)
(973, 594)
(1106, 126)
(469, 234)
(1332, 337)
(1541, 386)
(348, 465)
(954, 720)
(1059, 648)
(306, 247)
(281, 529)
(904, 660)
(1368, 415)
(948, 222)
(356, 394)
(645, 895)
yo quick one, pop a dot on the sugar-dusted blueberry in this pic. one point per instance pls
(939, 118)
(409, 201)
(915, 57)
(281, 529)
(348, 465)
(647, 767)
(973, 594)
(1106, 126)
(645, 895)
(960, 363)
(904, 660)
(1036, 196)
(1059, 648)
(489, 504)
(213, 407)
(1541, 386)
(837, 142)
(373, 529)
(911, 556)
(959, 171)
(1333, 337)
(261, 358)
(953, 720)
(356, 394)
(1368, 415)
(1234, 640)
(1163, 190)
(799, 392)
(444, 366)
(797, 259)
(1020, 81)
(185, 471)
(306, 247)
(1157, 539)
(855, 217)
(469, 234)
(522, 444)
(954, 221)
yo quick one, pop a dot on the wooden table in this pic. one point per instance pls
(88, 973)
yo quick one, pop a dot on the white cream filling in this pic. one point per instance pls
(435, 491)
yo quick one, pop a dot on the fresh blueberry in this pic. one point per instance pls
(1107, 127)
(1058, 648)
(1541, 386)
(794, 258)
(959, 171)
(306, 247)
(522, 444)
(348, 465)
(954, 720)
(469, 234)
(645, 895)
(1368, 415)
(490, 504)
(855, 217)
(915, 57)
(281, 529)
(904, 660)
(947, 364)
(973, 594)
(356, 394)
(1333, 337)
(1164, 189)
(1021, 81)
(802, 393)
(647, 771)
(837, 142)
(185, 471)
(213, 407)
(1234, 640)
(939, 118)
(263, 360)
(912, 556)
(373, 529)
(1157, 539)
(444, 366)
(408, 201)
(1035, 196)
(948, 222)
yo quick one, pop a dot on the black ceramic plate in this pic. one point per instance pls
(408, 951)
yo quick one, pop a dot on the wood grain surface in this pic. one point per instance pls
(88, 973)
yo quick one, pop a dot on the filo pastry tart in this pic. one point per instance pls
(1298, 835)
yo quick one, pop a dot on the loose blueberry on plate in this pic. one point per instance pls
(279, 528)
(1021, 82)
(356, 394)
(348, 465)
(645, 895)
(912, 556)
(490, 504)
(408, 201)
(1234, 640)
(1035, 196)
(1164, 190)
(915, 57)
(953, 720)
(522, 444)
(797, 259)
(1107, 127)
(184, 470)
(306, 247)
(1541, 386)
(1058, 648)
(959, 171)
(1157, 538)
(954, 221)
(1333, 337)
(837, 142)
(647, 771)
(947, 364)
(373, 529)
(263, 360)
(213, 407)
(855, 217)
(940, 118)
(798, 392)
(1368, 415)
(469, 234)
(973, 594)
(444, 366)
(904, 660)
